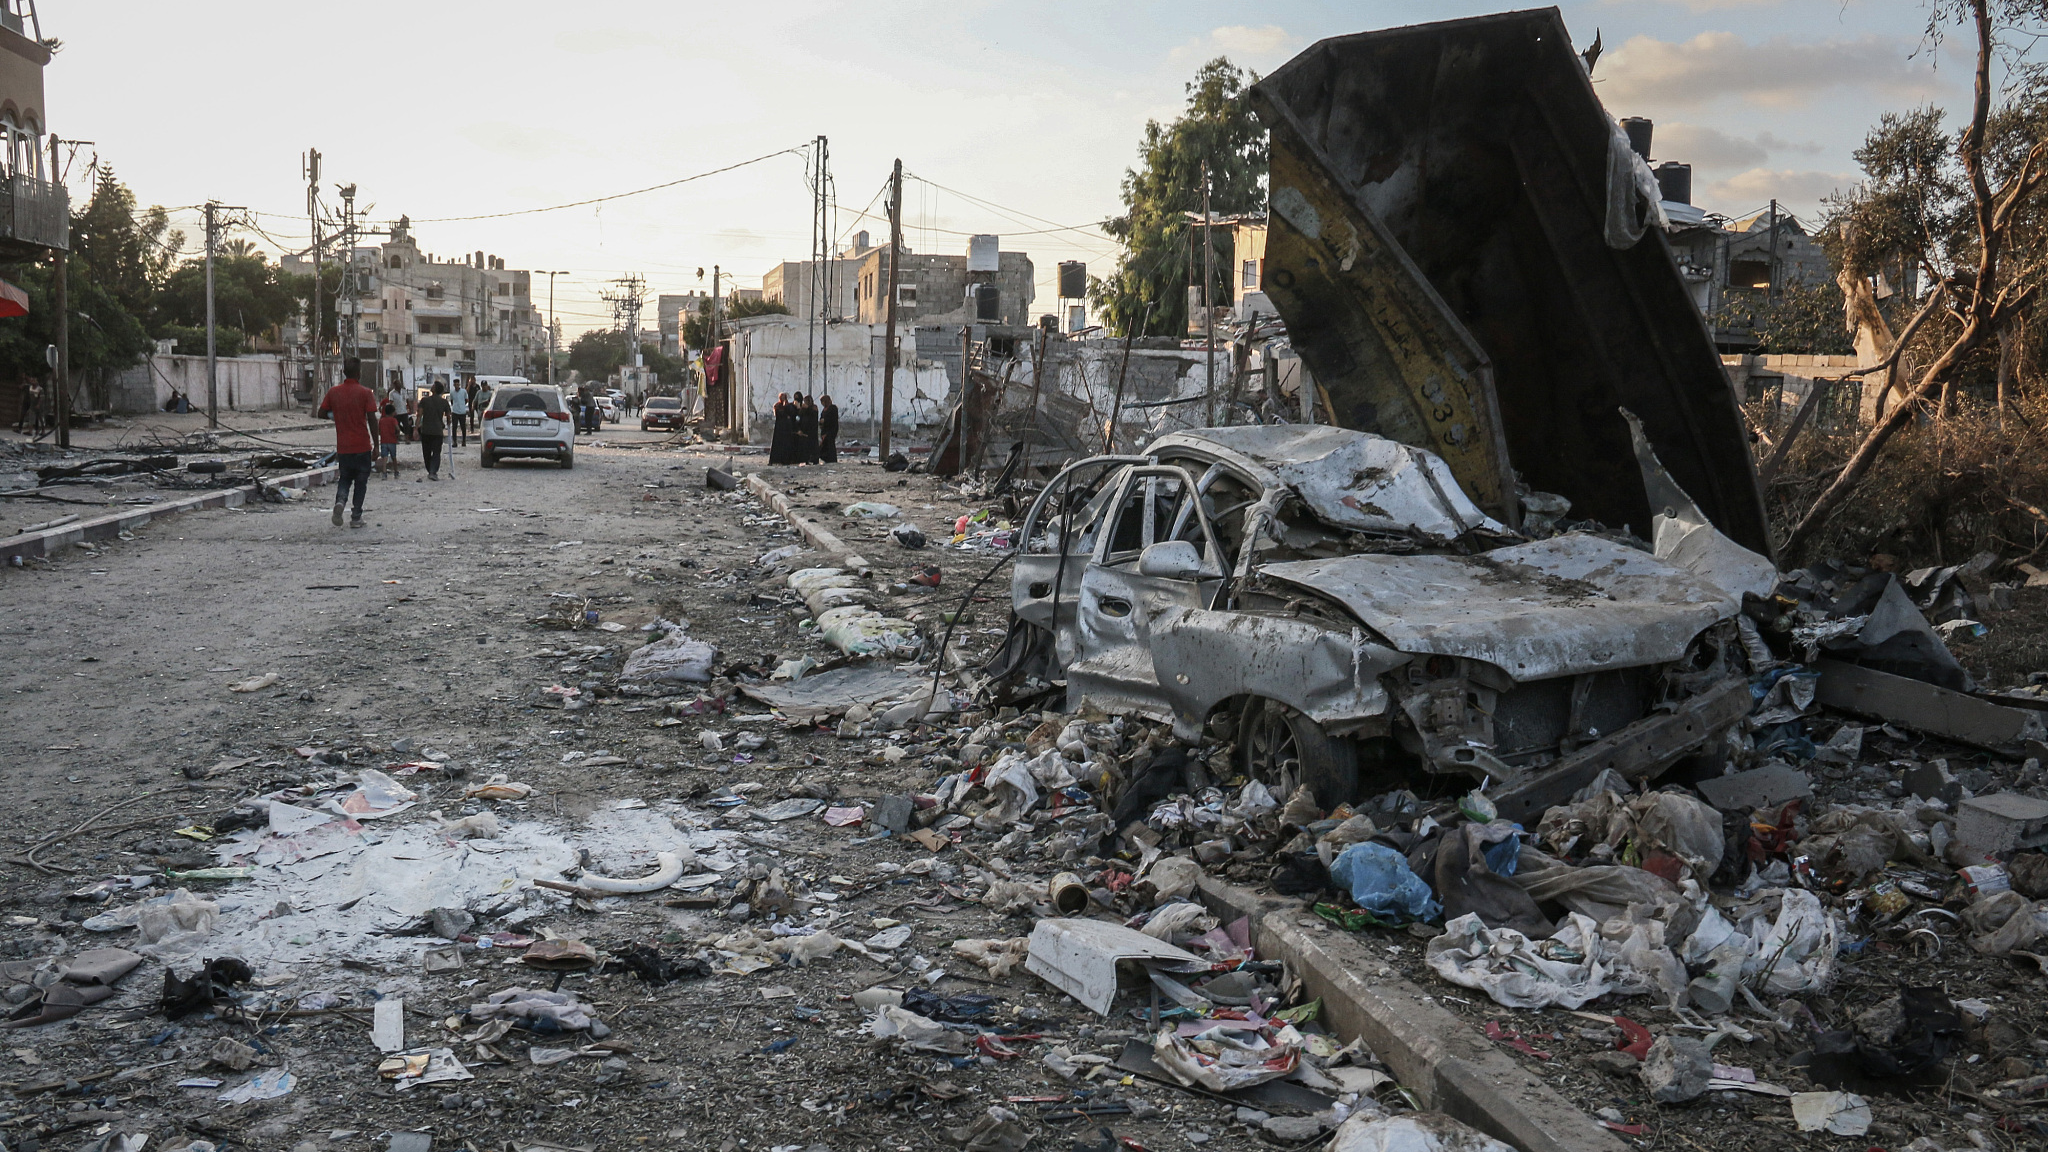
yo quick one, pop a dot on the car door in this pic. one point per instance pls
(1055, 549)
(1122, 593)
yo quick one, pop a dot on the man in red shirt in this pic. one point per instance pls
(354, 411)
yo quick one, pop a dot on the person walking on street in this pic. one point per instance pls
(387, 441)
(785, 430)
(458, 407)
(401, 406)
(828, 430)
(353, 409)
(434, 415)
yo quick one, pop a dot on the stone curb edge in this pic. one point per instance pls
(1433, 1053)
(819, 536)
(50, 541)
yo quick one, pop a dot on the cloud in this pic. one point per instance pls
(1241, 42)
(1801, 189)
(1722, 5)
(1705, 147)
(1778, 72)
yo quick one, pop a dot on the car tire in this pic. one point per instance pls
(568, 460)
(486, 460)
(1284, 749)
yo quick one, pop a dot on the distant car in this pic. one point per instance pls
(528, 420)
(608, 409)
(661, 412)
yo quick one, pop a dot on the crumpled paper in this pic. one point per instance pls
(1225, 1061)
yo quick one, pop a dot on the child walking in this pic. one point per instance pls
(387, 440)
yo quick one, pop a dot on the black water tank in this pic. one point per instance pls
(1638, 130)
(1073, 280)
(988, 303)
(1674, 182)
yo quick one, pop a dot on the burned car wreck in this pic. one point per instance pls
(1338, 600)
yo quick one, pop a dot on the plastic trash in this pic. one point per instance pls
(1382, 883)
(263, 1086)
(870, 510)
(1564, 971)
(1411, 1132)
(255, 683)
(908, 535)
(557, 1009)
(667, 870)
(1842, 1113)
(673, 657)
(498, 787)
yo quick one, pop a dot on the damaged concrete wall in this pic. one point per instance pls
(1079, 390)
(243, 382)
(772, 354)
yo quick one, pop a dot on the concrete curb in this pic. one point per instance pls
(1439, 1057)
(50, 541)
(819, 536)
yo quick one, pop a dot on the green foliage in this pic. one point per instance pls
(191, 339)
(249, 293)
(125, 250)
(598, 353)
(1219, 129)
(1806, 320)
(732, 308)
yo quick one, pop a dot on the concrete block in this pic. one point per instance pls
(1765, 787)
(2002, 822)
(1932, 781)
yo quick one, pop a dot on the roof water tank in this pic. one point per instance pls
(982, 255)
(1073, 280)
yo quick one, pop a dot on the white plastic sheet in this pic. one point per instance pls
(1564, 971)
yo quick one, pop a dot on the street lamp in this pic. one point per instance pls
(551, 321)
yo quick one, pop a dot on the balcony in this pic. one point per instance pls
(35, 217)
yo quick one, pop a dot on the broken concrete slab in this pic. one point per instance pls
(1079, 957)
(2000, 823)
(1927, 708)
(1677, 1069)
(1765, 787)
(1933, 781)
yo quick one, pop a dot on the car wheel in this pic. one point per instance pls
(568, 460)
(487, 460)
(1283, 749)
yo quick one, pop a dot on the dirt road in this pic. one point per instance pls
(416, 636)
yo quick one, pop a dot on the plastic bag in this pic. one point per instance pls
(673, 657)
(1564, 971)
(1234, 1066)
(870, 510)
(1382, 883)
(1798, 953)
(1412, 1132)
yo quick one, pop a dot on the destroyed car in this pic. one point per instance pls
(1336, 602)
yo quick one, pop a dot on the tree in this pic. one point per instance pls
(250, 297)
(1941, 210)
(1159, 258)
(598, 353)
(731, 308)
(125, 250)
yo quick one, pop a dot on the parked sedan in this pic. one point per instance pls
(661, 412)
(608, 409)
(528, 420)
(1335, 602)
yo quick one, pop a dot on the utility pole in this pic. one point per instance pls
(1208, 298)
(551, 322)
(312, 174)
(61, 402)
(889, 324)
(732, 408)
(351, 287)
(1771, 276)
(212, 392)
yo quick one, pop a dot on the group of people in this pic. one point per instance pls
(806, 431)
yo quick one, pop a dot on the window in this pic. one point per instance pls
(1250, 276)
(504, 288)
(906, 295)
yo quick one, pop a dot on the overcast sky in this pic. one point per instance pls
(1016, 118)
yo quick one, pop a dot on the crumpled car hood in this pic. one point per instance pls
(1558, 607)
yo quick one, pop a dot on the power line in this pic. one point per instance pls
(614, 196)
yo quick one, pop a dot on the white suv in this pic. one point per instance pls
(528, 420)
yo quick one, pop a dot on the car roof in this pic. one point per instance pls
(1349, 479)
